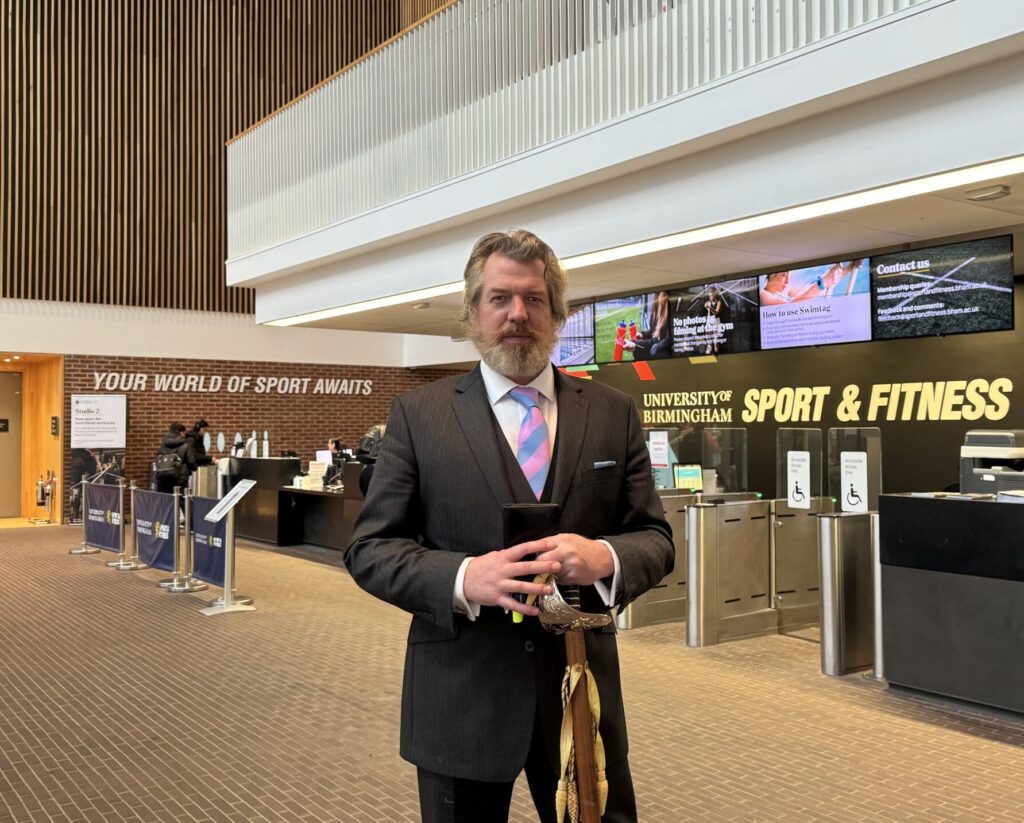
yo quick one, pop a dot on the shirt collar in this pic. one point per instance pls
(497, 385)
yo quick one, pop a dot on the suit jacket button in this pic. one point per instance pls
(528, 645)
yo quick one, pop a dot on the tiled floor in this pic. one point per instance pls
(119, 701)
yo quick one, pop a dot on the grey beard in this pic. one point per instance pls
(513, 362)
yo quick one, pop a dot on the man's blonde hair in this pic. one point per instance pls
(523, 247)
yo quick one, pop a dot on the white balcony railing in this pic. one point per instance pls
(485, 80)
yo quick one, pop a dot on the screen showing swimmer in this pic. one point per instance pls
(816, 306)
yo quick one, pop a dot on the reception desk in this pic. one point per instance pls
(258, 515)
(953, 597)
(276, 512)
(326, 517)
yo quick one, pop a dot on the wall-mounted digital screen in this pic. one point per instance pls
(816, 306)
(715, 318)
(954, 289)
(637, 327)
(575, 346)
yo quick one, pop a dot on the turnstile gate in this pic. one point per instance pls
(752, 570)
(666, 602)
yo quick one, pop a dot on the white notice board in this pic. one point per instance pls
(99, 421)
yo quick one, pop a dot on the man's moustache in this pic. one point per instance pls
(517, 332)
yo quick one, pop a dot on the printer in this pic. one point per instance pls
(992, 461)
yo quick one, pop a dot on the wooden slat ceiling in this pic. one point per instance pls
(112, 129)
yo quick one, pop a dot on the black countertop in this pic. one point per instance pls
(975, 537)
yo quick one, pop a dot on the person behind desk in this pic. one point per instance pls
(339, 451)
(481, 699)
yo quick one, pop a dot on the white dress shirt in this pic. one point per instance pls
(509, 414)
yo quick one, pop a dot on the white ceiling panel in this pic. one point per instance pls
(918, 219)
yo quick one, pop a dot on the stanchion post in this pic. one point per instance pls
(183, 580)
(85, 548)
(176, 524)
(122, 558)
(132, 563)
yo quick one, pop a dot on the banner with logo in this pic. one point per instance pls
(153, 520)
(210, 542)
(103, 517)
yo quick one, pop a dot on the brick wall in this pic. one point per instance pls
(299, 421)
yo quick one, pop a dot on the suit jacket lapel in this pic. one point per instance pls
(572, 430)
(473, 411)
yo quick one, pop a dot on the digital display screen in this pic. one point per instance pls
(688, 476)
(637, 327)
(954, 289)
(715, 318)
(816, 306)
(575, 346)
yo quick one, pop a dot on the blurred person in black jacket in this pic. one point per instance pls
(174, 442)
(195, 438)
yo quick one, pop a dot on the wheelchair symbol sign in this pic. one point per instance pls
(853, 495)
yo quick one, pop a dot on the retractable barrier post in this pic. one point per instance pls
(876, 570)
(702, 577)
(231, 601)
(132, 562)
(122, 556)
(85, 548)
(847, 613)
(176, 530)
(183, 580)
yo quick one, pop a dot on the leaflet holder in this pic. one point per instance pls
(231, 601)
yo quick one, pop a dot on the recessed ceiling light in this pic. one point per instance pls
(7, 360)
(17, 357)
(987, 193)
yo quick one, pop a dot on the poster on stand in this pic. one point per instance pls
(99, 426)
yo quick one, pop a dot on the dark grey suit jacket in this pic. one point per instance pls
(472, 688)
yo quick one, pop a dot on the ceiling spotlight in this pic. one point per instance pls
(421, 306)
(7, 360)
(17, 357)
(987, 193)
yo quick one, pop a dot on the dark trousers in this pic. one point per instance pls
(446, 799)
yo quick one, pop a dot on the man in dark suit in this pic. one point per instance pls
(481, 698)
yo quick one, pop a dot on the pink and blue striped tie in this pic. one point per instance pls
(533, 451)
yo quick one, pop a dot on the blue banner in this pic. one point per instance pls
(103, 517)
(210, 542)
(153, 518)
